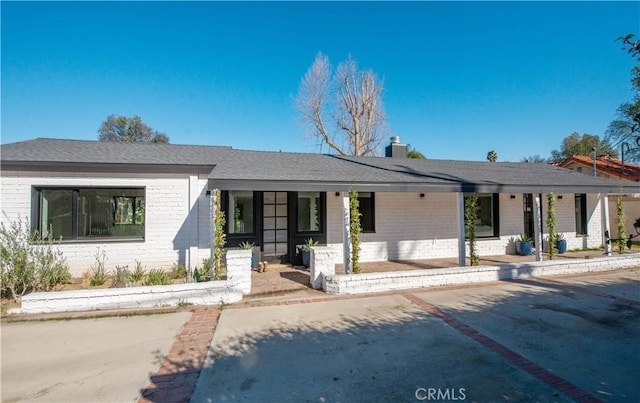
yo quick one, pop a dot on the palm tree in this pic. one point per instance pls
(492, 156)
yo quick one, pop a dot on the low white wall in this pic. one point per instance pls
(322, 263)
(238, 283)
(390, 281)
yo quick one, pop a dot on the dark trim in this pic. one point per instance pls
(584, 231)
(49, 166)
(495, 217)
(332, 186)
(371, 230)
(234, 240)
(36, 213)
(299, 237)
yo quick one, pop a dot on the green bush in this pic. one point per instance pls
(121, 277)
(138, 273)
(157, 277)
(178, 271)
(28, 262)
(204, 274)
(98, 271)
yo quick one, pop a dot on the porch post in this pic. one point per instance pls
(346, 232)
(462, 243)
(537, 230)
(605, 222)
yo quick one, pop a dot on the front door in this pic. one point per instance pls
(274, 227)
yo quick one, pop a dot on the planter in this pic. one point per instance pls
(525, 248)
(561, 246)
(306, 258)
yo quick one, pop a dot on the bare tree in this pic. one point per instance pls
(342, 109)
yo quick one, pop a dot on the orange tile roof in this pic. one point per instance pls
(611, 166)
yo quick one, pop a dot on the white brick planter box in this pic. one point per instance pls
(389, 281)
(228, 291)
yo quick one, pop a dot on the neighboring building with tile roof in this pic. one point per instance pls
(151, 202)
(606, 167)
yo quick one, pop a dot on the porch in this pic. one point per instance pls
(285, 281)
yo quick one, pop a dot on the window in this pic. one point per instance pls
(581, 214)
(367, 211)
(309, 210)
(87, 213)
(241, 209)
(487, 215)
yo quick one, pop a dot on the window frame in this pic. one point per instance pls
(37, 205)
(495, 215)
(372, 204)
(226, 205)
(320, 210)
(584, 230)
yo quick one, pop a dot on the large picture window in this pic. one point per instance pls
(241, 212)
(487, 215)
(85, 213)
(367, 209)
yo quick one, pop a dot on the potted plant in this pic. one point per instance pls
(306, 251)
(250, 246)
(525, 245)
(561, 243)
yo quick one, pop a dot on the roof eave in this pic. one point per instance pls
(55, 166)
(335, 186)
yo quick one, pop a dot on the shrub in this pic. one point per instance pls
(178, 271)
(138, 273)
(204, 273)
(28, 262)
(121, 277)
(98, 271)
(157, 277)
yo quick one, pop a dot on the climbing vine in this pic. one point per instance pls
(551, 224)
(219, 237)
(621, 227)
(355, 230)
(470, 216)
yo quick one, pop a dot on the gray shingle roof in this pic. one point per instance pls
(261, 170)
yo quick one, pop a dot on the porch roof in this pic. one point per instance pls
(231, 169)
(315, 172)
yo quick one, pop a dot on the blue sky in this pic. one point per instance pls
(461, 78)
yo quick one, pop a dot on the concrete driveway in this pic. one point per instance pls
(568, 339)
(90, 360)
(554, 339)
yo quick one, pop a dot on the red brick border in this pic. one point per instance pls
(177, 376)
(578, 288)
(547, 377)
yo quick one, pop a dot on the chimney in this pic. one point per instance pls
(395, 149)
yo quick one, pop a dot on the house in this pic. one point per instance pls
(607, 167)
(152, 202)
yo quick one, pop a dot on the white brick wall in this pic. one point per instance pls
(401, 280)
(170, 235)
(410, 227)
(232, 290)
